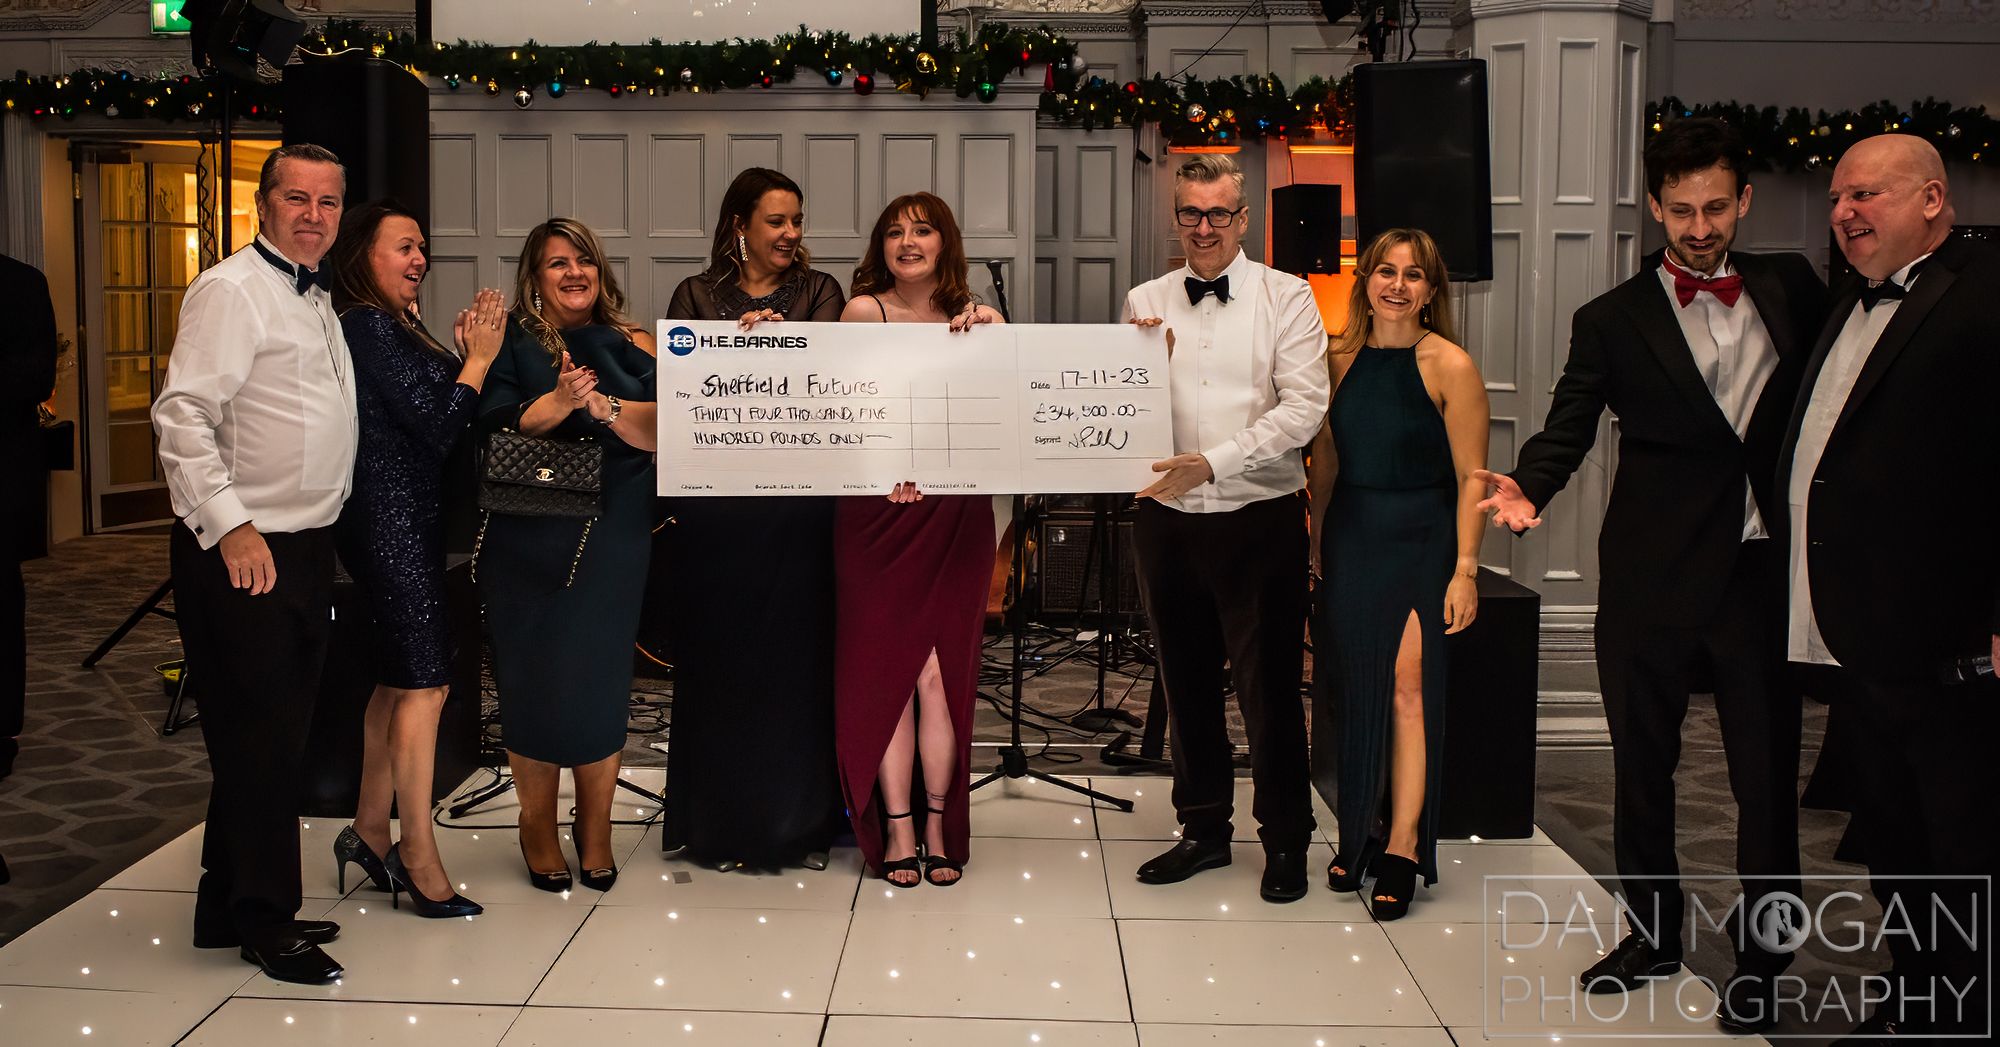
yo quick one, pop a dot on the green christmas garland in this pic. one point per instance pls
(1190, 112)
(1800, 140)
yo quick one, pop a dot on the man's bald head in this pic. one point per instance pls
(1890, 203)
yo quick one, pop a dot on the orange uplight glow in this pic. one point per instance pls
(1204, 148)
(1330, 293)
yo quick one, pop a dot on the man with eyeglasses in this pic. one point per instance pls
(1220, 538)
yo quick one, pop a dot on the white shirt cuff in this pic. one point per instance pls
(221, 514)
(1225, 458)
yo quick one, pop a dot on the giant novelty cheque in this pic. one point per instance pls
(828, 408)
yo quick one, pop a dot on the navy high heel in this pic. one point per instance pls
(400, 883)
(350, 847)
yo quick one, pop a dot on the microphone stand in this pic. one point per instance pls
(1013, 755)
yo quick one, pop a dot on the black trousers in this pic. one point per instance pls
(1646, 671)
(13, 659)
(1922, 782)
(256, 664)
(1226, 596)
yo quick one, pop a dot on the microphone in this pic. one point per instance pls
(1965, 670)
(999, 288)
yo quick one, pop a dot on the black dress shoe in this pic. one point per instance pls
(1627, 967)
(1284, 876)
(289, 957)
(1184, 860)
(318, 932)
(1749, 1004)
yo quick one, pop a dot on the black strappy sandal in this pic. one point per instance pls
(934, 862)
(914, 863)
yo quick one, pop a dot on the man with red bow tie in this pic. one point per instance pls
(1699, 355)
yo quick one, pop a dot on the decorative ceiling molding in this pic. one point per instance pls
(26, 16)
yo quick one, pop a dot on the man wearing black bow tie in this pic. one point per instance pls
(1220, 538)
(1698, 355)
(1889, 472)
(257, 429)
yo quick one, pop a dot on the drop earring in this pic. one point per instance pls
(742, 248)
(538, 303)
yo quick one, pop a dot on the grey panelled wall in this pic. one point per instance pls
(648, 175)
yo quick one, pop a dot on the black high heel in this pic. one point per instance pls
(1395, 880)
(1356, 866)
(914, 863)
(350, 847)
(400, 883)
(595, 879)
(933, 862)
(554, 883)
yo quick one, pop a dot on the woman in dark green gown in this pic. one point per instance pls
(1399, 550)
(563, 607)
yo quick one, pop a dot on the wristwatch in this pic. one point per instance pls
(617, 405)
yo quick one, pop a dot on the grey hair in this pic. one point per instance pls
(267, 178)
(1203, 168)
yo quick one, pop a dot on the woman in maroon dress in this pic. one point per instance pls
(910, 579)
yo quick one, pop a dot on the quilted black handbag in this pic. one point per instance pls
(522, 475)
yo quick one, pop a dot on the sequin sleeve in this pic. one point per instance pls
(406, 383)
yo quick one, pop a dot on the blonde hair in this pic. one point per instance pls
(609, 309)
(1436, 314)
(1203, 168)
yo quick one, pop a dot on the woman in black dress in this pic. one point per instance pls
(1400, 551)
(415, 399)
(751, 607)
(562, 601)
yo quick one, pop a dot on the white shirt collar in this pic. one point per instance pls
(1238, 271)
(1901, 277)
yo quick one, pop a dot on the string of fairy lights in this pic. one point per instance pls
(1188, 111)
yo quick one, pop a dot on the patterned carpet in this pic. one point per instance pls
(96, 786)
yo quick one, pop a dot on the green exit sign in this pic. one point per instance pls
(167, 17)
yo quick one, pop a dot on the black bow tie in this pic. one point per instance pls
(1200, 289)
(1872, 294)
(303, 277)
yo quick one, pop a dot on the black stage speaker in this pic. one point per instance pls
(375, 116)
(1063, 542)
(1305, 228)
(333, 753)
(232, 34)
(1421, 160)
(1490, 693)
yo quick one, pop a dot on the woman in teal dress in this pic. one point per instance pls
(563, 605)
(1399, 548)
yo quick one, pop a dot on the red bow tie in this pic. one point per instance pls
(1726, 289)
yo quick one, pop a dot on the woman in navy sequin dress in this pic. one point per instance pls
(415, 399)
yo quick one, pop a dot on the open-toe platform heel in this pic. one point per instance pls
(914, 863)
(1356, 866)
(1396, 881)
(936, 862)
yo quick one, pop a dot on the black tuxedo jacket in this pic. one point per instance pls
(1903, 516)
(27, 377)
(1674, 526)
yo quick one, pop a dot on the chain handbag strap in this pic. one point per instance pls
(479, 541)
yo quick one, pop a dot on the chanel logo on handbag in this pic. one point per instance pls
(545, 474)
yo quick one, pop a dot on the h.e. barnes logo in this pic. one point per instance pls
(680, 341)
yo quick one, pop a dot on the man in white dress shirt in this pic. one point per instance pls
(1889, 476)
(1220, 539)
(257, 431)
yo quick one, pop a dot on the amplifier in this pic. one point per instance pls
(1063, 543)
